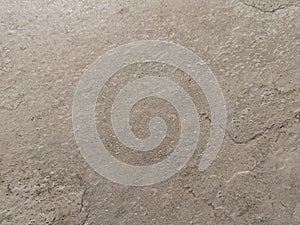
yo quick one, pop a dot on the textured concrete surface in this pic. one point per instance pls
(252, 46)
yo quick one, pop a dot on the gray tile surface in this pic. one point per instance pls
(251, 46)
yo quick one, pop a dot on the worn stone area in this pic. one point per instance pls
(252, 47)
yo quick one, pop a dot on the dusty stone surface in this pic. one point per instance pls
(252, 47)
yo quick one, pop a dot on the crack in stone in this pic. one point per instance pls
(84, 221)
(264, 131)
(261, 9)
(82, 201)
(82, 208)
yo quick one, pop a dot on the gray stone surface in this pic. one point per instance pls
(252, 47)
